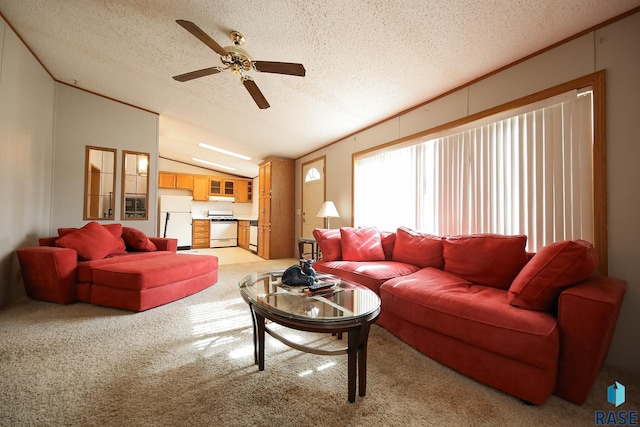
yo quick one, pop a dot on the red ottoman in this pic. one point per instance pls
(144, 284)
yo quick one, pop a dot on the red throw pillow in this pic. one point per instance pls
(137, 240)
(92, 241)
(485, 259)
(329, 242)
(556, 267)
(420, 249)
(361, 244)
(115, 229)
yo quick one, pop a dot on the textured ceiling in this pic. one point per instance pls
(365, 60)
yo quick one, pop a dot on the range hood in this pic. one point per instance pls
(222, 199)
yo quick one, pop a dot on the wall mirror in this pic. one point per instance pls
(135, 185)
(99, 183)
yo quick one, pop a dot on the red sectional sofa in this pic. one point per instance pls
(527, 324)
(113, 266)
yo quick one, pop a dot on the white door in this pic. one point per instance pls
(313, 191)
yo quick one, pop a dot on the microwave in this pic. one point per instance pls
(135, 206)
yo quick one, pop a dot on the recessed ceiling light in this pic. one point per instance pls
(214, 164)
(220, 150)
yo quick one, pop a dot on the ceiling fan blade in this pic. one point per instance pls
(199, 73)
(280, 68)
(255, 93)
(202, 36)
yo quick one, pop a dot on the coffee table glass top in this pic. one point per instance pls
(341, 301)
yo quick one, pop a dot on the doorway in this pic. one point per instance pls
(313, 194)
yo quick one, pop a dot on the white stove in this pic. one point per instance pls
(215, 215)
(224, 229)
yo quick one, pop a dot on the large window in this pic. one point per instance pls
(528, 171)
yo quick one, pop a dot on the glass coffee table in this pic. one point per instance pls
(339, 308)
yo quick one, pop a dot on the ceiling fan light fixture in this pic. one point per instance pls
(223, 151)
(238, 61)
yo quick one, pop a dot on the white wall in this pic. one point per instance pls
(613, 48)
(26, 153)
(44, 128)
(81, 119)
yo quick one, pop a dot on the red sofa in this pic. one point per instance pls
(527, 324)
(113, 266)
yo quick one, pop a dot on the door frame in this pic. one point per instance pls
(324, 184)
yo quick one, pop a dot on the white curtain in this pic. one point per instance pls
(528, 174)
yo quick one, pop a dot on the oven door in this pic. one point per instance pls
(224, 234)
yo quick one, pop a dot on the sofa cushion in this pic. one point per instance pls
(84, 271)
(136, 240)
(486, 259)
(369, 274)
(553, 269)
(423, 250)
(361, 244)
(329, 243)
(474, 314)
(154, 271)
(91, 242)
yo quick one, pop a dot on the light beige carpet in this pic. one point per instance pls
(190, 363)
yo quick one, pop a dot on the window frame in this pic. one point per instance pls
(597, 82)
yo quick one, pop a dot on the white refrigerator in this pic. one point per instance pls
(175, 219)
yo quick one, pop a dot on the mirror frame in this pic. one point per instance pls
(86, 207)
(137, 195)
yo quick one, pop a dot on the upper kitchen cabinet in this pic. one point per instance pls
(276, 209)
(200, 188)
(222, 186)
(244, 191)
(173, 180)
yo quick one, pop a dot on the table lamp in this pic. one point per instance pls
(328, 210)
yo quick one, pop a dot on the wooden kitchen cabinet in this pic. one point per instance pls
(200, 231)
(184, 182)
(243, 234)
(222, 186)
(200, 188)
(178, 181)
(244, 191)
(166, 180)
(276, 209)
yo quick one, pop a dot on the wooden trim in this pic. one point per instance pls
(324, 190)
(597, 81)
(105, 96)
(26, 45)
(601, 236)
(123, 177)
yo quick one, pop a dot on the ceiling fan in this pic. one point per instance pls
(236, 59)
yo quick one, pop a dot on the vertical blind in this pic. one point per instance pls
(526, 174)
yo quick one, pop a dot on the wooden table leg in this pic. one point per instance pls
(352, 354)
(362, 359)
(260, 329)
(255, 334)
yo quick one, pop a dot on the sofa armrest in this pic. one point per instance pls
(165, 243)
(587, 316)
(49, 273)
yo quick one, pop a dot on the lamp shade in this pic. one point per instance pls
(328, 210)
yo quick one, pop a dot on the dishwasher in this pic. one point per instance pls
(224, 229)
